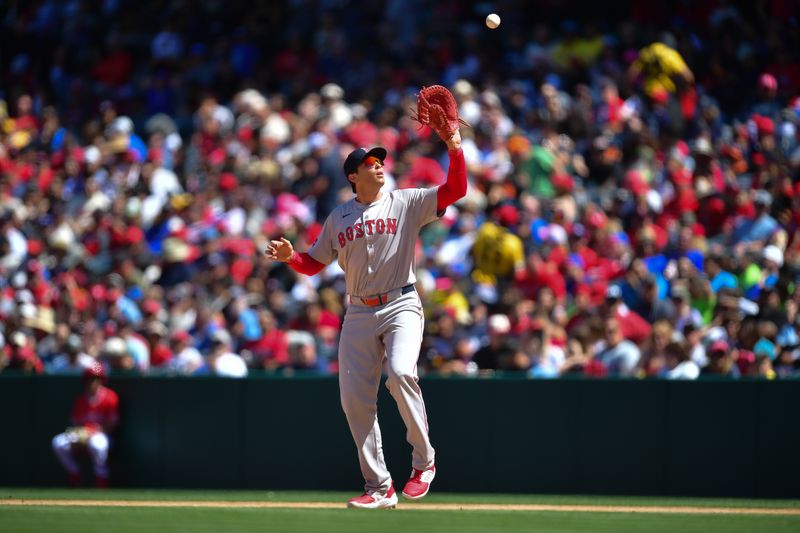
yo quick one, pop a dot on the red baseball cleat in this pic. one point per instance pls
(375, 500)
(101, 482)
(74, 480)
(419, 483)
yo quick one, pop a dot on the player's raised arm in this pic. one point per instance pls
(282, 250)
(455, 187)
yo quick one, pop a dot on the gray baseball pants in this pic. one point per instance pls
(371, 336)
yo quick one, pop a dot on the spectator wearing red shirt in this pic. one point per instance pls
(271, 350)
(160, 352)
(94, 414)
(313, 317)
(631, 324)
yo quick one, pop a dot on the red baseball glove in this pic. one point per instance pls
(437, 109)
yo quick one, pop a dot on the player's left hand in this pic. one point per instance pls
(281, 250)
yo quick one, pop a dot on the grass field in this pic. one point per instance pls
(156, 511)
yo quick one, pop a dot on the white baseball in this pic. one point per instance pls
(492, 21)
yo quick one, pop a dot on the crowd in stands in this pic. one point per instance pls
(634, 183)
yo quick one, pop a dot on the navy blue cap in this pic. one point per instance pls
(360, 154)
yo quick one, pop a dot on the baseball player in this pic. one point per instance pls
(94, 413)
(373, 236)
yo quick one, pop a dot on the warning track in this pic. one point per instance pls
(645, 509)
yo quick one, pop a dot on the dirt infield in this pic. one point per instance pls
(647, 509)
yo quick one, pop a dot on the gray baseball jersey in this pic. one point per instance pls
(375, 246)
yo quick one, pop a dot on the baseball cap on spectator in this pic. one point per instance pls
(179, 251)
(444, 283)
(679, 292)
(19, 280)
(92, 155)
(577, 230)
(20, 139)
(120, 126)
(719, 346)
(597, 220)
(703, 187)
(563, 182)
(768, 81)
(317, 140)
(636, 182)
(181, 336)
(765, 347)
(764, 125)
(613, 292)
(73, 343)
(180, 201)
(18, 339)
(115, 347)
(762, 198)
(702, 146)
(157, 328)
(487, 293)
(499, 323)
(35, 247)
(518, 145)
(507, 215)
(220, 336)
(43, 319)
(134, 234)
(654, 201)
(227, 181)
(332, 91)
(151, 306)
(659, 95)
(774, 254)
(787, 337)
(358, 155)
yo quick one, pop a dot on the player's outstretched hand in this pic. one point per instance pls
(279, 250)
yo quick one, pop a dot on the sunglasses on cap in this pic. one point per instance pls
(370, 161)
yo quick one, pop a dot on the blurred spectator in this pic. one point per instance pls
(73, 360)
(187, 359)
(498, 352)
(303, 352)
(721, 360)
(271, 350)
(654, 352)
(221, 361)
(679, 365)
(498, 252)
(662, 67)
(618, 356)
(632, 326)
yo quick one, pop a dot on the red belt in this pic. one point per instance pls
(380, 299)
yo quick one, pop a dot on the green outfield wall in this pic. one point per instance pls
(705, 438)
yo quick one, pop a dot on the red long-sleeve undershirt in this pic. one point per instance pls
(304, 263)
(449, 192)
(455, 187)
